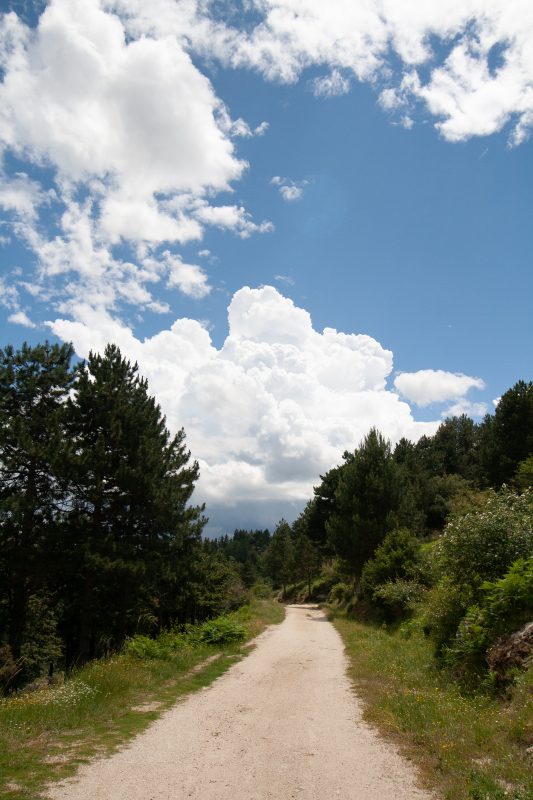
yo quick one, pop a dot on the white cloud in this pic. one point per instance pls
(9, 295)
(284, 279)
(288, 189)
(261, 129)
(271, 409)
(136, 140)
(380, 41)
(21, 195)
(234, 218)
(290, 193)
(189, 278)
(21, 318)
(137, 112)
(331, 85)
(435, 386)
(464, 406)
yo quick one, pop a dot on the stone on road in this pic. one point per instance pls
(282, 723)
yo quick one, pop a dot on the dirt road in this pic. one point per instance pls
(281, 724)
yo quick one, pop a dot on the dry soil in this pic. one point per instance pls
(282, 723)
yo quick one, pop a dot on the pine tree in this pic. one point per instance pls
(131, 525)
(366, 497)
(34, 382)
(305, 560)
(278, 557)
(512, 433)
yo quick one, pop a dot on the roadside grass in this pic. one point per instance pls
(475, 747)
(46, 735)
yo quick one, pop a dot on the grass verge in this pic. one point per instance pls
(473, 747)
(46, 735)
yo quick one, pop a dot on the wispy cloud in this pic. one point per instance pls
(331, 85)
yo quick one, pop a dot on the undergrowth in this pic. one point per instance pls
(473, 746)
(45, 735)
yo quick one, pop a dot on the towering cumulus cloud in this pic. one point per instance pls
(274, 407)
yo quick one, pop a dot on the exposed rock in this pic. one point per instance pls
(512, 652)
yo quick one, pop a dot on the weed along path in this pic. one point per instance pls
(282, 723)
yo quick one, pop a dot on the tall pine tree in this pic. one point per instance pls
(131, 529)
(34, 382)
(365, 499)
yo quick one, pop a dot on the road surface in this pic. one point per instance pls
(282, 723)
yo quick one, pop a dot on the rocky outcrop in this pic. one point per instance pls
(512, 652)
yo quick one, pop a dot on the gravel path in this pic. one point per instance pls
(283, 723)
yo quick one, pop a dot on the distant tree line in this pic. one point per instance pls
(98, 539)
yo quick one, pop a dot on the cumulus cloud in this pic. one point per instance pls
(139, 144)
(273, 407)
(441, 55)
(138, 112)
(436, 386)
(136, 143)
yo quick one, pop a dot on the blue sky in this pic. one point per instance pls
(350, 184)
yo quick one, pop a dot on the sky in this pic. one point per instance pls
(301, 219)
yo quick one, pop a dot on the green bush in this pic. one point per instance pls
(394, 558)
(506, 606)
(262, 589)
(218, 631)
(341, 593)
(442, 609)
(509, 601)
(476, 547)
(399, 597)
(165, 646)
(221, 630)
(392, 578)
(481, 545)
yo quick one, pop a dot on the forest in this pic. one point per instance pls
(99, 541)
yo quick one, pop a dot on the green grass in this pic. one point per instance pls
(469, 747)
(46, 735)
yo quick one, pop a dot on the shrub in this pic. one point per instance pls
(164, 647)
(395, 558)
(481, 545)
(341, 593)
(218, 631)
(475, 548)
(507, 604)
(442, 610)
(262, 589)
(399, 597)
